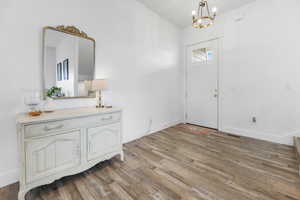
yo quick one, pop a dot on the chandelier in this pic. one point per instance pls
(203, 17)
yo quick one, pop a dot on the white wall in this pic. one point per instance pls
(259, 71)
(137, 51)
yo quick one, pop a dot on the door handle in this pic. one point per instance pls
(215, 95)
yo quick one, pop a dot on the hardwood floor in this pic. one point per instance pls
(177, 164)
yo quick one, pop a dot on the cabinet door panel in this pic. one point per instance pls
(102, 140)
(50, 155)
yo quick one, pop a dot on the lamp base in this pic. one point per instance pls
(103, 106)
(99, 100)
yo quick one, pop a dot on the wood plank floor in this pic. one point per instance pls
(177, 164)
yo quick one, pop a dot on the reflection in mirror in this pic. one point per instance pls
(69, 65)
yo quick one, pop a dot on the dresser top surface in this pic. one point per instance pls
(24, 118)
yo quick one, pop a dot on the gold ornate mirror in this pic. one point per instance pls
(68, 63)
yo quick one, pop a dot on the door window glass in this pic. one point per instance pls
(202, 55)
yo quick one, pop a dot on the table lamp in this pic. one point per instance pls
(98, 85)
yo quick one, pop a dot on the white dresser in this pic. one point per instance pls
(66, 142)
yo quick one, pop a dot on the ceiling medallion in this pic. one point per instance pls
(204, 17)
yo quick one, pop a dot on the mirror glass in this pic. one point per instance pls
(69, 65)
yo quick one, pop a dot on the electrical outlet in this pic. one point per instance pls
(254, 120)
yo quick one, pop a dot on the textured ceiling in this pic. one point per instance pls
(179, 11)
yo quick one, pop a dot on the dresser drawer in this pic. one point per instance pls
(103, 119)
(49, 127)
(43, 129)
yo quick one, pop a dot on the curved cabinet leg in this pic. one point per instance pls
(21, 195)
(122, 156)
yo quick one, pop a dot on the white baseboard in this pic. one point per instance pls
(9, 177)
(12, 176)
(157, 129)
(285, 138)
(165, 126)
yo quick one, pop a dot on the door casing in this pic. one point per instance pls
(220, 96)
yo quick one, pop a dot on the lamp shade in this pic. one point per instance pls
(99, 84)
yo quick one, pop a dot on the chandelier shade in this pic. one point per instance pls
(203, 17)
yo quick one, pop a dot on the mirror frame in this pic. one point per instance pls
(71, 30)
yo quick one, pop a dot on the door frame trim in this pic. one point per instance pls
(219, 64)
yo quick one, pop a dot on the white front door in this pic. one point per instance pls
(202, 84)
